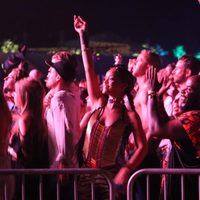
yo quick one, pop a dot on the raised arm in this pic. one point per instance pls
(159, 126)
(94, 92)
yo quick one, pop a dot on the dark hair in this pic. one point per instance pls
(84, 95)
(126, 77)
(192, 63)
(154, 59)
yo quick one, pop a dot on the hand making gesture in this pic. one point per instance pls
(80, 25)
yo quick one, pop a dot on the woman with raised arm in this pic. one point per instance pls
(109, 124)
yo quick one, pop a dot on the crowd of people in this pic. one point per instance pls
(140, 116)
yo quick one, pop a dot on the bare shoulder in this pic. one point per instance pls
(85, 119)
(87, 114)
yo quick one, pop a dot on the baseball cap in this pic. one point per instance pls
(65, 68)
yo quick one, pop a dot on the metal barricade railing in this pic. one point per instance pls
(43, 172)
(149, 172)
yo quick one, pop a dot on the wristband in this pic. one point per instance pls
(151, 94)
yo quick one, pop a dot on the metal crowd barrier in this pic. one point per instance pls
(149, 172)
(76, 172)
(42, 172)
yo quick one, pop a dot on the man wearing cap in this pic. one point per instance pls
(62, 110)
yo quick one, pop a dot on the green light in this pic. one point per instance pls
(197, 55)
(9, 46)
(179, 51)
(156, 49)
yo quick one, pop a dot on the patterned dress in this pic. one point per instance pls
(102, 147)
(186, 154)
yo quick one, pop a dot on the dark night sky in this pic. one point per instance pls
(168, 23)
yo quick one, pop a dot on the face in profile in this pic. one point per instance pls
(131, 65)
(112, 84)
(141, 64)
(179, 73)
(189, 98)
(51, 80)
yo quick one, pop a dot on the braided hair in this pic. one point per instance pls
(126, 77)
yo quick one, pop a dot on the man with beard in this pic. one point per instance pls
(186, 66)
(184, 133)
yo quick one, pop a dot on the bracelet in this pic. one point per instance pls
(151, 94)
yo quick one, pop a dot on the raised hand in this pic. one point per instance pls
(166, 82)
(151, 79)
(80, 25)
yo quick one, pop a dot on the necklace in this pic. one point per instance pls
(115, 102)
